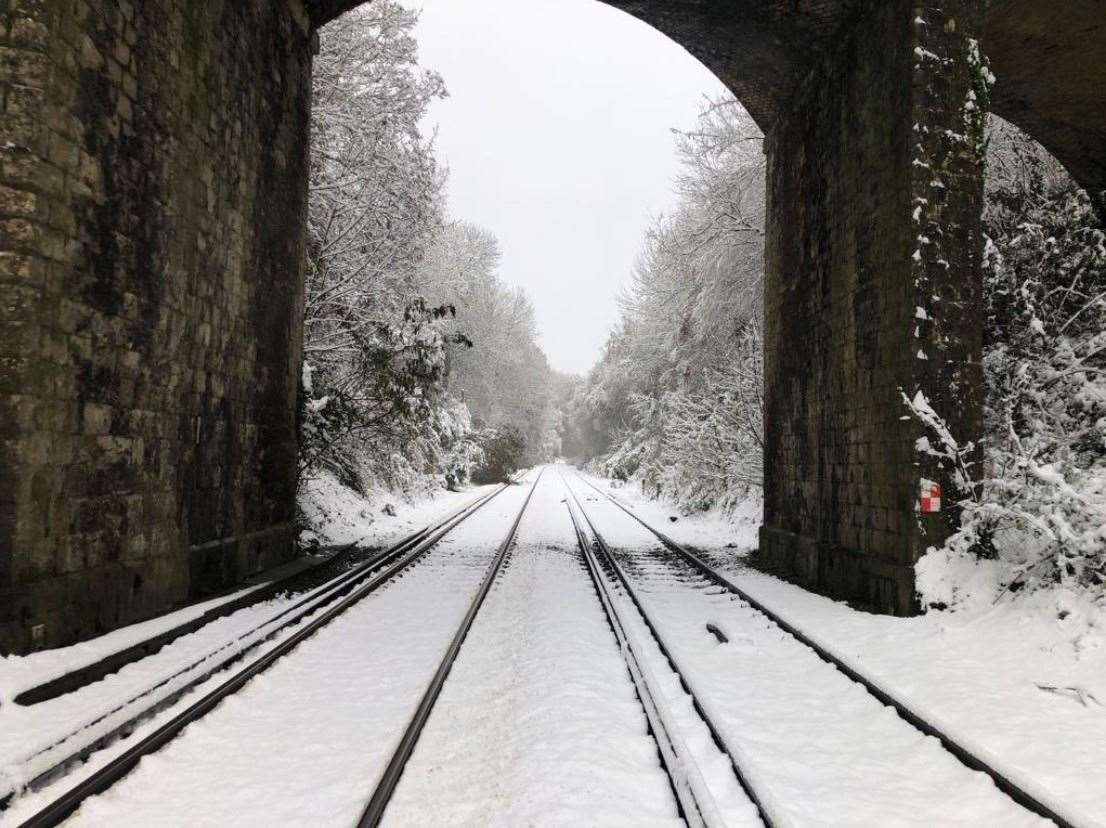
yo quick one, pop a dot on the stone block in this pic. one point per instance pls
(838, 455)
(121, 208)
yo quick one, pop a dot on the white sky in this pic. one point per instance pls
(557, 136)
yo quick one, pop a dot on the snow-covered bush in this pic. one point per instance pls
(388, 391)
(503, 449)
(712, 434)
(1035, 512)
(699, 445)
(375, 411)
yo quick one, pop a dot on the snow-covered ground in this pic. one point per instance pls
(335, 514)
(538, 723)
(302, 743)
(977, 674)
(33, 739)
(19, 673)
(824, 750)
(704, 775)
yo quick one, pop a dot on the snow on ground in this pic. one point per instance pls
(977, 674)
(303, 743)
(338, 516)
(708, 771)
(539, 719)
(538, 723)
(19, 673)
(734, 531)
(979, 678)
(27, 732)
(825, 750)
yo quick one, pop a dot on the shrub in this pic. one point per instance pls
(1034, 514)
(503, 448)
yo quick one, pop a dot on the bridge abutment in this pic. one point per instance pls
(153, 178)
(153, 173)
(873, 291)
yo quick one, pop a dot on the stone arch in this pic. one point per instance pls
(1047, 58)
(1049, 62)
(854, 97)
(153, 177)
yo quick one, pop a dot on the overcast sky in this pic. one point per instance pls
(557, 136)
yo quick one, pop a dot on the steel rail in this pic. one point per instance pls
(78, 678)
(382, 794)
(333, 589)
(770, 813)
(316, 598)
(696, 803)
(1004, 783)
(63, 806)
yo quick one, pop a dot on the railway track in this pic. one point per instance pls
(729, 801)
(537, 723)
(717, 775)
(611, 576)
(291, 625)
(385, 787)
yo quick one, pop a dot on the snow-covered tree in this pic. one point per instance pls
(504, 377)
(374, 348)
(675, 400)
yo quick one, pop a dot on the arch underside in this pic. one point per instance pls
(1050, 62)
(1049, 58)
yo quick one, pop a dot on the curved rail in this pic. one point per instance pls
(1014, 790)
(378, 803)
(62, 807)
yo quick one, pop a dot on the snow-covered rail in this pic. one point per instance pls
(690, 575)
(76, 677)
(674, 729)
(378, 803)
(118, 719)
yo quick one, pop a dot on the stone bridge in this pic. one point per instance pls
(153, 174)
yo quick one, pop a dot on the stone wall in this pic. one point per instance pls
(872, 291)
(152, 193)
(153, 179)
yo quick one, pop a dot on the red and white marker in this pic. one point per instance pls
(929, 498)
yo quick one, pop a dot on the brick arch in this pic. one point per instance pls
(873, 241)
(1050, 60)
(153, 186)
(758, 48)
